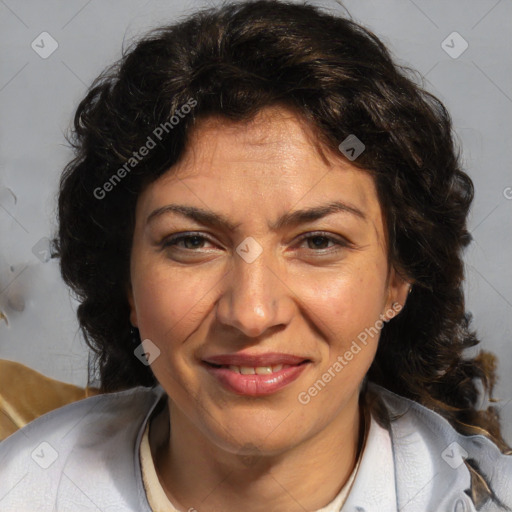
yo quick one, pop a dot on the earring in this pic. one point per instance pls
(134, 334)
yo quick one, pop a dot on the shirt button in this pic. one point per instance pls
(463, 504)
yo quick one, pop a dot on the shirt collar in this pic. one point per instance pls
(374, 489)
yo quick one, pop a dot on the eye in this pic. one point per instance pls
(319, 242)
(189, 241)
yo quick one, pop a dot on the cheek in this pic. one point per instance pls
(170, 309)
(348, 303)
(169, 303)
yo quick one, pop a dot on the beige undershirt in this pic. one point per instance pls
(159, 502)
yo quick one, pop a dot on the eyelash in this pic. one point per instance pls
(174, 240)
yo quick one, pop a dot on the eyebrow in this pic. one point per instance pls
(288, 219)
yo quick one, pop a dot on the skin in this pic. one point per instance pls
(306, 297)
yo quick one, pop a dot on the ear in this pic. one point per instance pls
(398, 291)
(131, 302)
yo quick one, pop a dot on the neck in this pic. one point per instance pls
(196, 473)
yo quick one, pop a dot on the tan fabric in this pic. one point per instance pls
(26, 394)
(159, 502)
(157, 499)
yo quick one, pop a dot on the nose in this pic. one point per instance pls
(255, 297)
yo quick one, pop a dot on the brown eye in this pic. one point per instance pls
(321, 241)
(318, 242)
(189, 242)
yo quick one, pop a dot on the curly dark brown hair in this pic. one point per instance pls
(232, 61)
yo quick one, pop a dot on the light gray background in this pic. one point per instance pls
(38, 98)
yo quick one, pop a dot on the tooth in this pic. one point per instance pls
(263, 370)
(259, 370)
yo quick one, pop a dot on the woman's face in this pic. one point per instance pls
(264, 316)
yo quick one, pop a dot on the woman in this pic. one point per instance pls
(264, 223)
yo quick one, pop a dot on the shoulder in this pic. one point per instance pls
(435, 463)
(75, 450)
(97, 415)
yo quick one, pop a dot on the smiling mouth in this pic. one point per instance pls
(259, 380)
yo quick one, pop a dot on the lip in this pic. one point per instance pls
(255, 385)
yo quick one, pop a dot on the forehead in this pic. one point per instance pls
(274, 134)
(274, 163)
(277, 146)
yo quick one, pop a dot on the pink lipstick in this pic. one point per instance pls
(256, 374)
